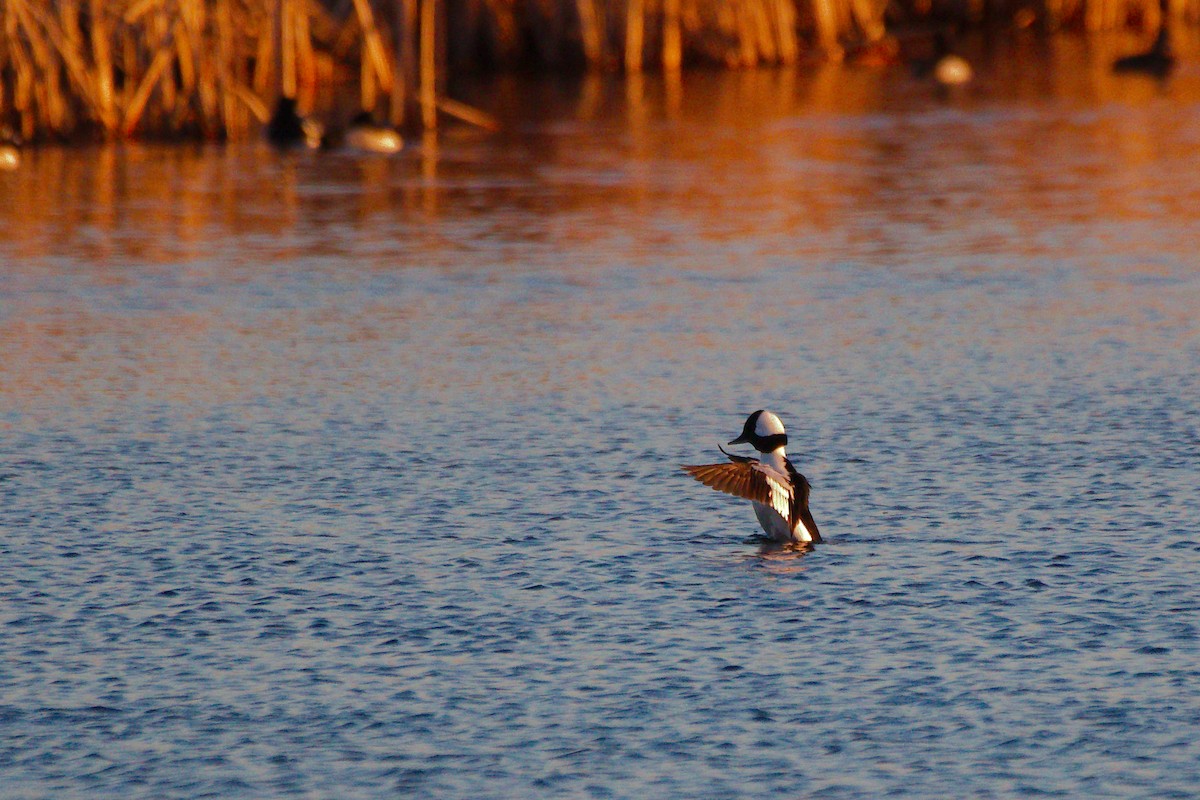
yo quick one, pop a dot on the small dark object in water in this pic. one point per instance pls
(288, 129)
(1157, 61)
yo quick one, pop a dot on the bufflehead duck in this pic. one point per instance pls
(778, 491)
(1157, 61)
(288, 129)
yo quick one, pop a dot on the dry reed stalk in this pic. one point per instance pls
(224, 77)
(184, 57)
(869, 14)
(827, 28)
(129, 65)
(367, 86)
(23, 96)
(39, 51)
(208, 84)
(429, 64)
(252, 102)
(373, 49)
(468, 114)
(5, 57)
(635, 35)
(21, 82)
(68, 39)
(672, 52)
(137, 104)
(404, 25)
(139, 8)
(306, 57)
(30, 61)
(761, 30)
(194, 14)
(263, 58)
(106, 107)
(70, 35)
(54, 99)
(785, 22)
(747, 55)
(287, 47)
(161, 33)
(40, 94)
(592, 31)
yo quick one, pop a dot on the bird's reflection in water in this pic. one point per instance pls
(786, 555)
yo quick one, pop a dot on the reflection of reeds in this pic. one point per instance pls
(212, 67)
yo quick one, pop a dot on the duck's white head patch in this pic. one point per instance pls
(768, 424)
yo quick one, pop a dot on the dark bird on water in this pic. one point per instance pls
(1158, 61)
(287, 128)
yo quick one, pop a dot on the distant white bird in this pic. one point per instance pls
(952, 70)
(10, 149)
(779, 493)
(368, 136)
(946, 67)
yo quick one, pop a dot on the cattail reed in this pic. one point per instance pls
(213, 68)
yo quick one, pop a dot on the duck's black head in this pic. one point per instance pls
(763, 431)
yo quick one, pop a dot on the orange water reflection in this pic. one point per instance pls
(185, 273)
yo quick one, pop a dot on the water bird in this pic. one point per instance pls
(779, 493)
(10, 149)
(946, 67)
(1157, 61)
(367, 135)
(287, 128)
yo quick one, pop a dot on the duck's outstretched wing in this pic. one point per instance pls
(747, 479)
(737, 459)
(799, 509)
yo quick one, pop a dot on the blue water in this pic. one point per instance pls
(324, 477)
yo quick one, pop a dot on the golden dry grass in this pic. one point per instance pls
(212, 68)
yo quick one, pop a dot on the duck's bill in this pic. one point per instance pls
(740, 440)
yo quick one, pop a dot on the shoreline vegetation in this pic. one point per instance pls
(213, 69)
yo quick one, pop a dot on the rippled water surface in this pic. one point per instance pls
(339, 477)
